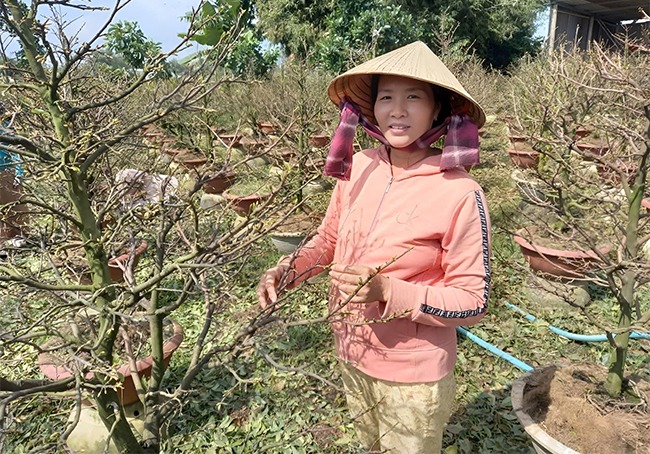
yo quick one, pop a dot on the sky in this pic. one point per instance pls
(159, 19)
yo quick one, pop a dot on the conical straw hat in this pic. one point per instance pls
(414, 60)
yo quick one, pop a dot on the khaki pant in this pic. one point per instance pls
(398, 418)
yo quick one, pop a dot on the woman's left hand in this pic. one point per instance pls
(347, 278)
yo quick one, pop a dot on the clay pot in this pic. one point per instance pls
(612, 177)
(592, 149)
(244, 204)
(54, 367)
(154, 138)
(219, 182)
(171, 147)
(153, 135)
(72, 260)
(250, 144)
(571, 264)
(581, 133)
(285, 154)
(190, 160)
(319, 140)
(516, 138)
(524, 159)
(114, 269)
(266, 127)
(231, 140)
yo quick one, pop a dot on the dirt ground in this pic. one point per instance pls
(569, 403)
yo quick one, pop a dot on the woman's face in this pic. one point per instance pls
(405, 109)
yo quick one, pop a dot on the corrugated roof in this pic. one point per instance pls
(613, 11)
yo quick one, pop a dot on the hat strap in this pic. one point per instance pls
(459, 150)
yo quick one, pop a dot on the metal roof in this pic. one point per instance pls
(613, 11)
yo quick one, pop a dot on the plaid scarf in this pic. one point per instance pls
(460, 148)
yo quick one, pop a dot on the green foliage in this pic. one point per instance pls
(357, 31)
(348, 31)
(246, 57)
(214, 19)
(296, 25)
(126, 39)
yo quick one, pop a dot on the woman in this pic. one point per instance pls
(406, 239)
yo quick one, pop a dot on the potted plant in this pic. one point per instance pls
(555, 97)
(521, 152)
(319, 140)
(568, 264)
(294, 229)
(219, 180)
(251, 189)
(81, 127)
(133, 366)
(57, 364)
(266, 127)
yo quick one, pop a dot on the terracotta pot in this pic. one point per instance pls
(190, 160)
(319, 140)
(559, 263)
(154, 138)
(542, 441)
(219, 182)
(231, 140)
(250, 144)
(171, 147)
(285, 154)
(76, 264)
(54, 368)
(266, 127)
(114, 269)
(524, 159)
(612, 177)
(581, 133)
(153, 134)
(517, 138)
(244, 204)
(592, 149)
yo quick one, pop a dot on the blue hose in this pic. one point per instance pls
(522, 365)
(574, 336)
(497, 351)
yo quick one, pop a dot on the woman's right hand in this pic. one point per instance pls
(267, 290)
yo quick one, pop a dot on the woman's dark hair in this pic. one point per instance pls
(441, 95)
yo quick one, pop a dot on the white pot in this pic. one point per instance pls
(542, 442)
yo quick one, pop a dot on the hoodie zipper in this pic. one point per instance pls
(381, 202)
(387, 188)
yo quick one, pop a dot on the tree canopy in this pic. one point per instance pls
(333, 34)
(246, 56)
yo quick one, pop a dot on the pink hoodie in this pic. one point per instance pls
(434, 228)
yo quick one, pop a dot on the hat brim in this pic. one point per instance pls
(415, 61)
